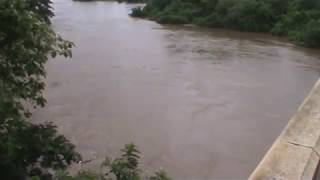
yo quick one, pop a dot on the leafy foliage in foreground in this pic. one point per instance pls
(32, 150)
(123, 168)
(297, 19)
(26, 39)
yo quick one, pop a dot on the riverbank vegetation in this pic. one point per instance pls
(132, 1)
(38, 151)
(120, 1)
(299, 20)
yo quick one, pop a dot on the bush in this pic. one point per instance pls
(138, 12)
(309, 35)
(292, 21)
(32, 150)
(212, 20)
(160, 4)
(126, 167)
(250, 15)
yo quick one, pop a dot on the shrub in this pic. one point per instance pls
(250, 15)
(160, 4)
(309, 35)
(212, 20)
(126, 166)
(138, 12)
(290, 22)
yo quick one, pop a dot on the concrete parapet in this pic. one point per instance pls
(295, 154)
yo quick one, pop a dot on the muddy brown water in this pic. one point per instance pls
(202, 104)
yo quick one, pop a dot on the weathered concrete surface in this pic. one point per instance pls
(295, 154)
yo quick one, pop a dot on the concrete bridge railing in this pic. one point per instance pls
(295, 155)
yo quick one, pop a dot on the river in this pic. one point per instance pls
(201, 103)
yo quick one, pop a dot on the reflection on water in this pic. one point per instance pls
(203, 104)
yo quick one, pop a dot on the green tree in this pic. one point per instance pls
(26, 40)
(43, 8)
